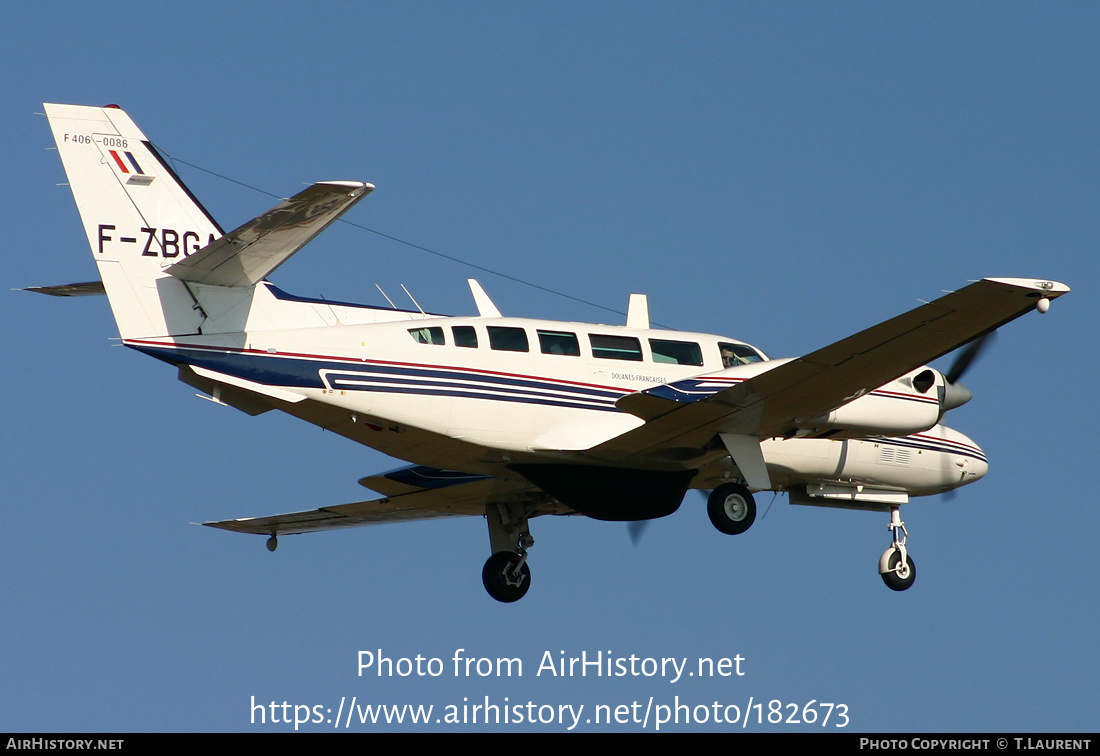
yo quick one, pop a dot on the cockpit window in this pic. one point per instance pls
(676, 352)
(433, 335)
(738, 354)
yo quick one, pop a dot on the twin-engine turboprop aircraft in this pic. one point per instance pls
(511, 418)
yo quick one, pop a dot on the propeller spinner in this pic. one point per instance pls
(956, 394)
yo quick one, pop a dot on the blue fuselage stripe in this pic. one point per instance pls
(296, 372)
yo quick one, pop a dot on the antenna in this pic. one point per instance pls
(485, 306)
(387, 297)
(410, 296)
(637, 312)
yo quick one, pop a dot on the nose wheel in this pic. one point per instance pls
(897, 577)
(895, 565)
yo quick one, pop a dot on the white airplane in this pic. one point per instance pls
(511, 418)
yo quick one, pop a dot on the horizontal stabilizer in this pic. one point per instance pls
(249, 254)
(87, 289)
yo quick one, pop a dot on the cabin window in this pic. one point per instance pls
(465, 336)
(738, 354)
(615, 347)
(676, 352)
(507, 339)
(433, 335)
(559, 342)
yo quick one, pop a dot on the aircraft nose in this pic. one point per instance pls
(981, 467)
(971, 467)
(969, 459)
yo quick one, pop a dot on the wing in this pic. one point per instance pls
(769, 404)
(249, 254)
(417, 493)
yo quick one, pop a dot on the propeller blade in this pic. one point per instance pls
(968, 355)
(637, 529)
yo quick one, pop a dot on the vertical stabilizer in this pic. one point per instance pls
(138, 215)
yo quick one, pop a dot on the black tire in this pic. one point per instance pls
(731, 508)
(894, 581)
(499, 581)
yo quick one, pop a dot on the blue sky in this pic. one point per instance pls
(783, 173)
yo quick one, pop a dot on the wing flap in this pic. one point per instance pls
(769, 404)
(454, 501)
(249, 254)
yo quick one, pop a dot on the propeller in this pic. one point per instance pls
(637, 528)
(956, 394)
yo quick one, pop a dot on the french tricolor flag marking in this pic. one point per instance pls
(122, 166)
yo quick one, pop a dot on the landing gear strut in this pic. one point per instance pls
(895, 565)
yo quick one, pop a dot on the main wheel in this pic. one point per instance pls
(893, 580)
(731, 508)
(499, 578)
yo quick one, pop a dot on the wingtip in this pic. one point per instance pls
(1049, 289)
(363, 185)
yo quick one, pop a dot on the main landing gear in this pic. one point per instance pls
(731, 508)
(506, 575)
(895, 565)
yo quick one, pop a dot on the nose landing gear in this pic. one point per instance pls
(895, 565)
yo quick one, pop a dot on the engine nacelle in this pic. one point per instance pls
(910, 404)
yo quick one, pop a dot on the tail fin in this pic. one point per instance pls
(138, 215)
(167, 268)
